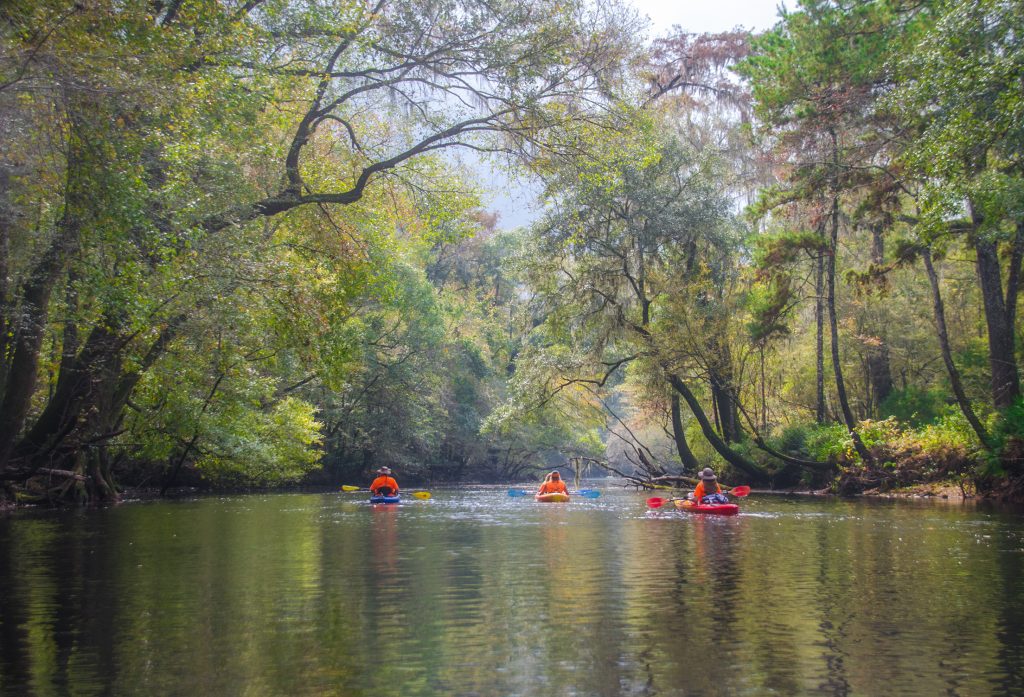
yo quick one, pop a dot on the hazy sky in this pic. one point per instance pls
(514, 200)
(709, 15)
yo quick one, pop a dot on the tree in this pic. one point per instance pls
(180, 126)
(961, 105)
(814, 79)
(626, 268)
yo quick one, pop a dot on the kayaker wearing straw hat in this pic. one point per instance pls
(384, 484)
(709, 490)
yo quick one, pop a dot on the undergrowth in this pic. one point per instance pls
(904, 454)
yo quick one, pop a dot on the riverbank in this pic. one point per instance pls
(963, 489)
(950, 491)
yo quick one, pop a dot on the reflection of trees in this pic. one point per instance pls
(29, 650)
(694, 612)
(288, 596)
(1010, 629)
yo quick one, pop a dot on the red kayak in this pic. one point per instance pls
(716, 508)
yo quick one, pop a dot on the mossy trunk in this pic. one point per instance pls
(686, 456)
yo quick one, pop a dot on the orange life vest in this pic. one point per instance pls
(553, 486)
(700, 492)
(382, 482)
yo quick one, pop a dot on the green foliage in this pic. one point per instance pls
(279, 280)
(603, 158)
(946, 444)
(786, 248)
(237, 433)
(915, 405)
(879, 431)
(962, 103)
(702, 450)
(1007, 429)
(830, 442)
(768, 305)
(234, 200)
(949, 429)
(793, 438)
(264, 447)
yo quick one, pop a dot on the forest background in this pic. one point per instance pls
(236, 249)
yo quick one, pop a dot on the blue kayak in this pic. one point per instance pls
(386, 499)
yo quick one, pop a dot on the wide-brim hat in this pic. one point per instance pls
(384, 470)
(708, 475)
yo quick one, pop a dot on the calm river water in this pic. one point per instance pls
(478, 593)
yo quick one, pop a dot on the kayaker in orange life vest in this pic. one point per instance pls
(384, 484)
(553, 484)
(709, 489)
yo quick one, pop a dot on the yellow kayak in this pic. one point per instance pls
(552, 498)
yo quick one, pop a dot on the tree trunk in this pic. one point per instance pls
(100, 476)
(731, 456)
(727, 413)
(1001, 357)
(34, 308)
(939, 311)
(1013, 276)
(6, 308)
(819, 341)
(70, 342)
(833, 323)
(91, 395)
(877, 368)
(686, 455)
(77, 391)
(879, 371)
(764, 390)
(33, 313)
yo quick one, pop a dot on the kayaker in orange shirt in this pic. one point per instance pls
(384, 484)
(709, 487)
(553, 484)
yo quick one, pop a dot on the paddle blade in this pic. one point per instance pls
(424, 495)
(518, 492)
(349, 487)
(588, 493)
(740, 491)
(656, 502)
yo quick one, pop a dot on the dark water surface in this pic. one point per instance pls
(477, 593)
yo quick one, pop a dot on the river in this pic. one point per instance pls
(477, 593)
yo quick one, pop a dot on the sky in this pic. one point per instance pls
(709, 15)
(514, 201)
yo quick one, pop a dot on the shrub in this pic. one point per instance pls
(792, 439)
(950, 428)
(879, 432)
(1007, 428)
(829, 442)
(914, 405)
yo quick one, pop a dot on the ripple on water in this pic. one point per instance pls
(477, 592)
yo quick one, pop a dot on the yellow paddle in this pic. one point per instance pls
(423, 495)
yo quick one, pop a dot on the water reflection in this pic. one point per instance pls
(477, 593)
